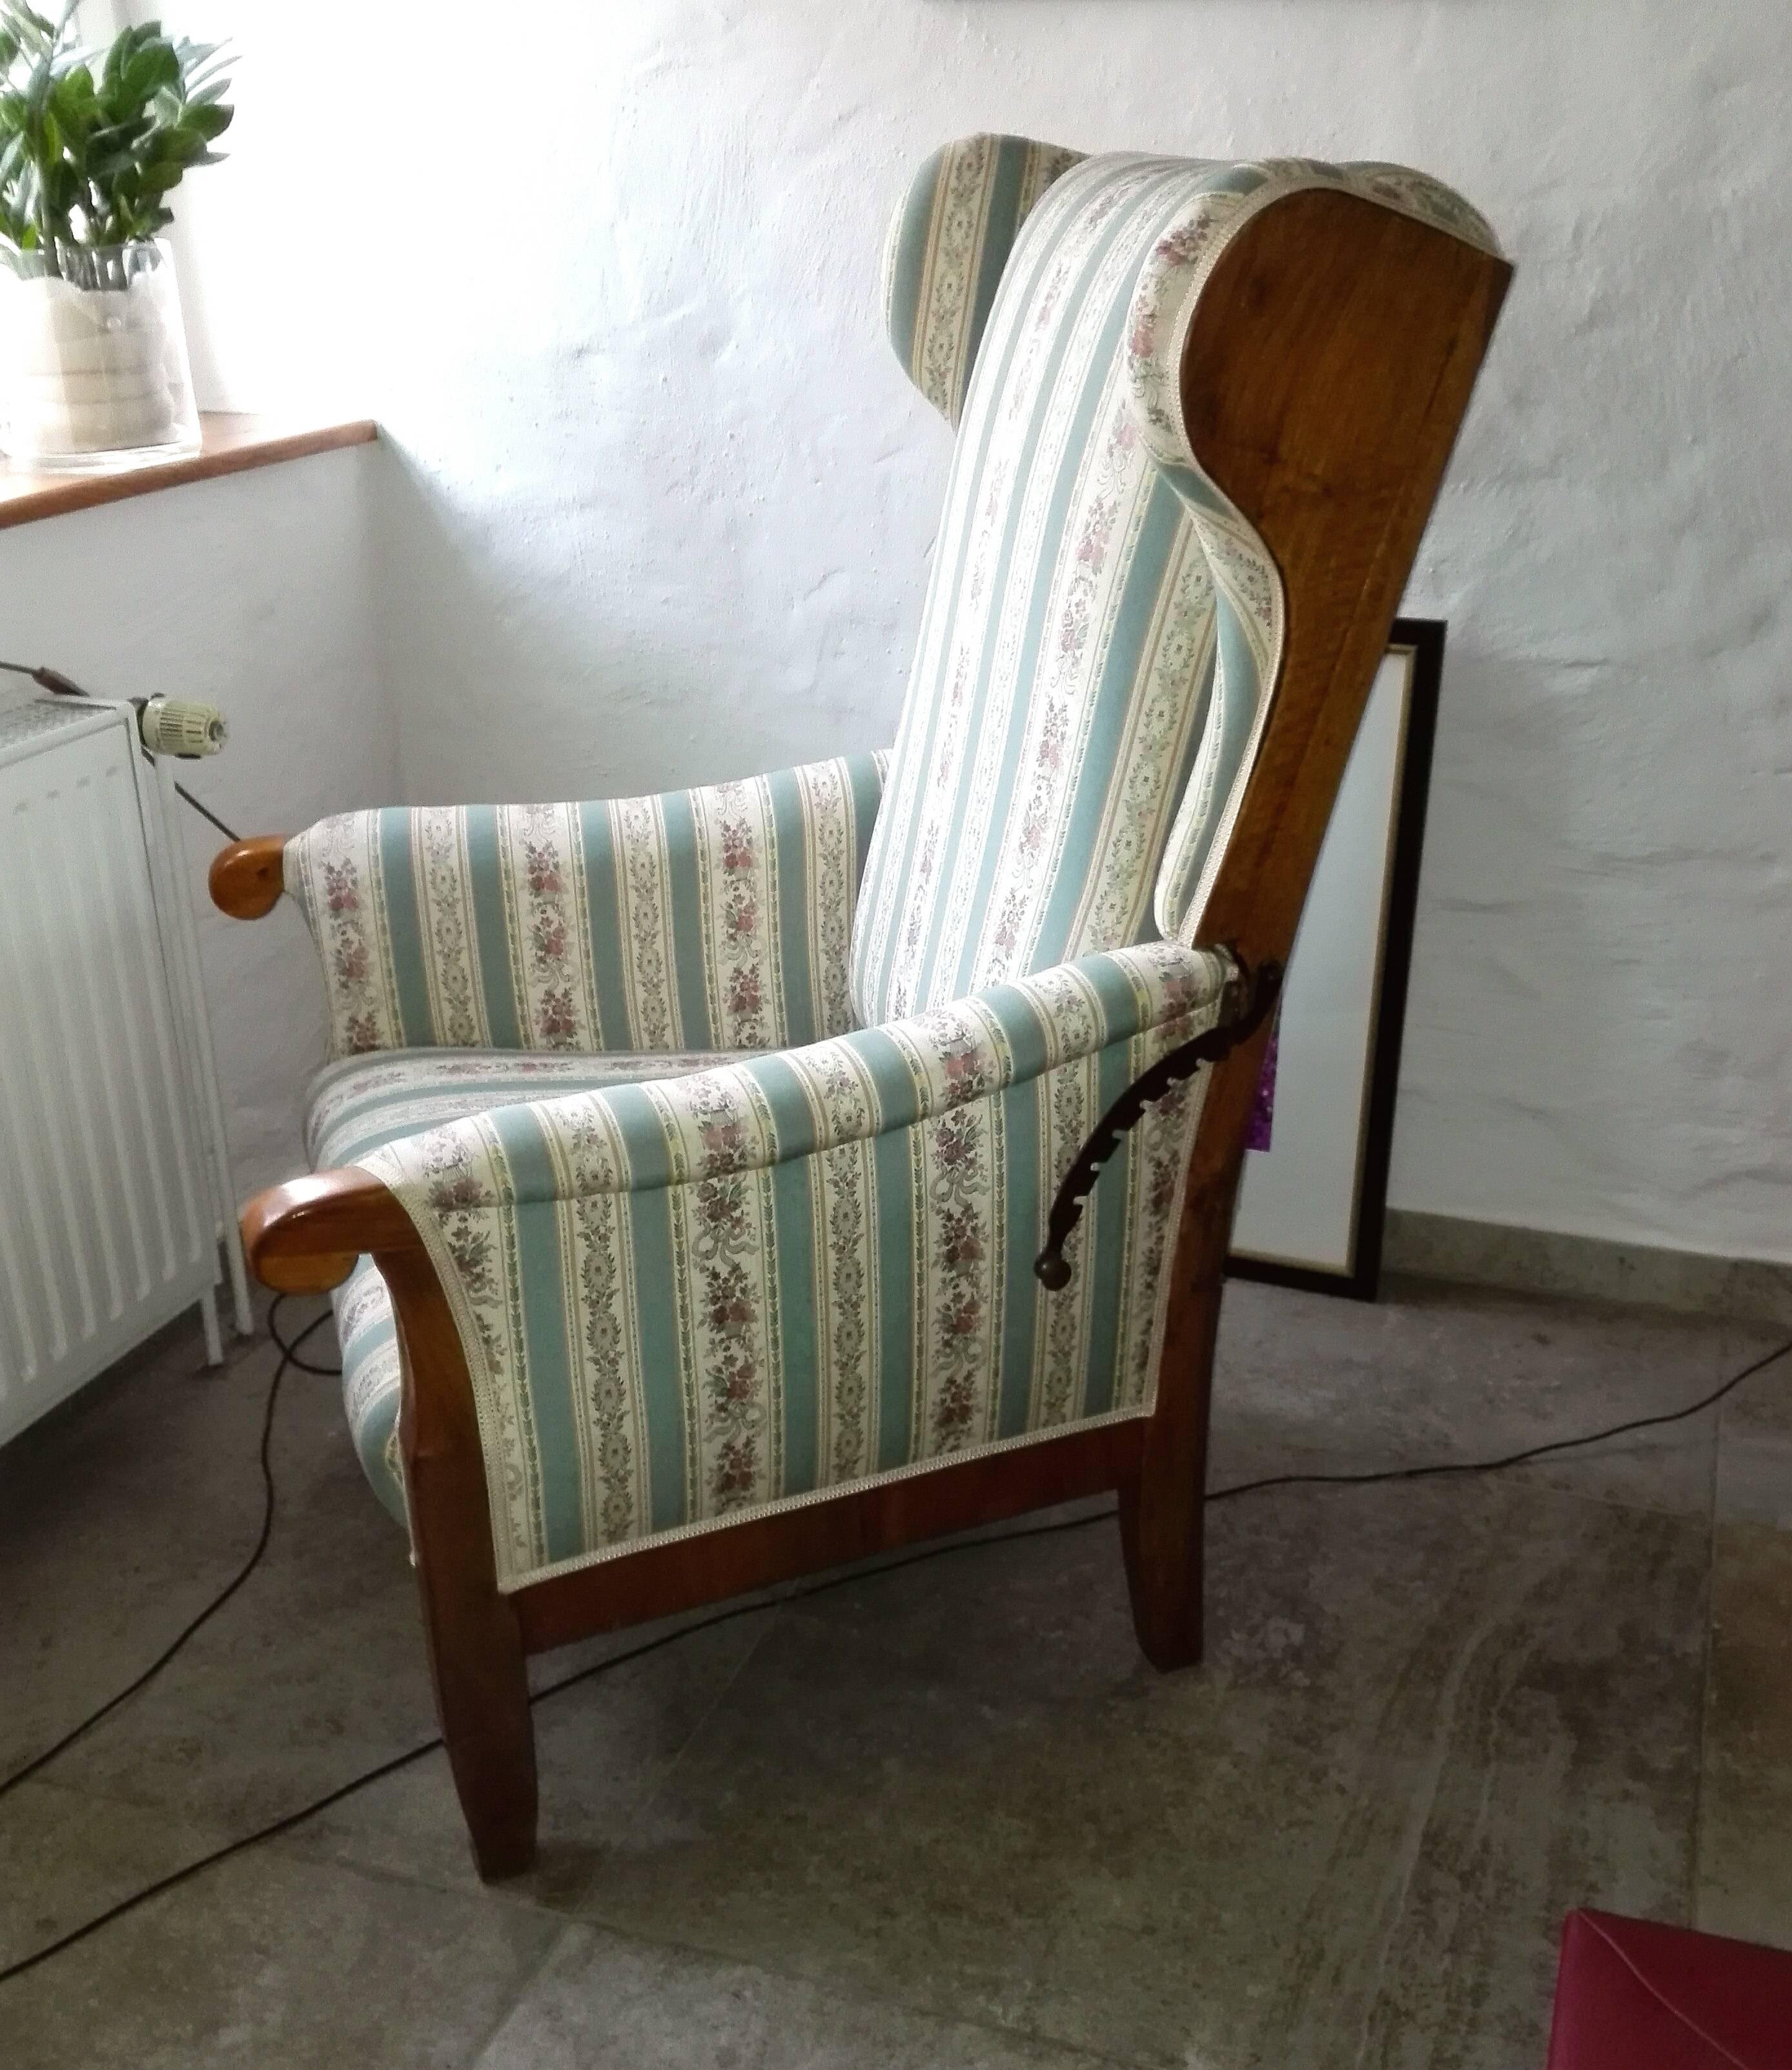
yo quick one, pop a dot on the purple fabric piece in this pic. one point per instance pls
(1263, 1108)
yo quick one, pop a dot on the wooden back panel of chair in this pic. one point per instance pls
(1327, 371)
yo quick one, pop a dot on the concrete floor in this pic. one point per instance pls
(948, 1817)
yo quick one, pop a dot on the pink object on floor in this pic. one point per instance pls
(1633, 1995)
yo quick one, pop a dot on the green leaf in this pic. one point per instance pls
(103, 147)
(153, 66)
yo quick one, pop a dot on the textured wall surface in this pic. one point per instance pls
(254, 592)
(658, 504)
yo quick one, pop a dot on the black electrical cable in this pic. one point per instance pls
(289, 1352)
(218, 1601)
(55, 681)
(46, 677)
(204, 810)
(751, 1608)
(1511, 1458)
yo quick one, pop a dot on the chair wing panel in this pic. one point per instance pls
(1101, 632)
(948, 242)
(715, 918)
(1249, 608)
(686, 1301)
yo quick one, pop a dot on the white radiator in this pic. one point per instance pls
(114, 1185)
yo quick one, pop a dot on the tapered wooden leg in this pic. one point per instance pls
(475, 1650)
(476, 1662)
(1162, 1512)
(1162, 1508)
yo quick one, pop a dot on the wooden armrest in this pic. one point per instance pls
(248, 878)
(305, 1236)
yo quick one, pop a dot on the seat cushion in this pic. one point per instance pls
(361, 1103)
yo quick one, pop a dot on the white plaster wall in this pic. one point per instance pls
(252, 593)
(661, 507)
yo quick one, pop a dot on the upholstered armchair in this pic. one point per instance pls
(683, 1163)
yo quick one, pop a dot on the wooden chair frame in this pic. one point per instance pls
(1327, 371)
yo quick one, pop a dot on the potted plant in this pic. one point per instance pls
(93, 362)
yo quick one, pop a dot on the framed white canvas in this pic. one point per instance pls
(1313, 1193)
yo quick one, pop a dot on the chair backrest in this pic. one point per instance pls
(1103, 628)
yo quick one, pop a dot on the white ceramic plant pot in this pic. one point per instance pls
(93, 365)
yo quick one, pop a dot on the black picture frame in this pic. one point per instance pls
(1423, 639)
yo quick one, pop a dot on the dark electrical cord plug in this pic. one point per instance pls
(54, 680)
(751, 1608)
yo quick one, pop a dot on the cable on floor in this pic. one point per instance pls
(1511, 1458)
(289, 1352)
(217, 1602)
(752, 1607)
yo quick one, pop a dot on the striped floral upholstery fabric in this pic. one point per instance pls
(691, 1287)
(709, 919)
(948, 243)
(1101, 631)
(362, 1103)
(688, 1300)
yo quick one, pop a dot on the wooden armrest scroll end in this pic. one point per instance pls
(248, 878)
(305, 1236)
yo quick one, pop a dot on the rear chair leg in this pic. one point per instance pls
(1161, 1538)
(1162, 1509)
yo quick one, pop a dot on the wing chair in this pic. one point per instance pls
(682, 1161)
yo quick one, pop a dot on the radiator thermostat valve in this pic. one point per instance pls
(169, 726)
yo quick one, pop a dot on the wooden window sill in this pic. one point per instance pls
(230, 443)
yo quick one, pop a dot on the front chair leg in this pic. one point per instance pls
(477, 1664)
(475, 1652)
(304, 1237)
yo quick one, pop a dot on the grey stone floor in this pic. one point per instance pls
(947, 1817)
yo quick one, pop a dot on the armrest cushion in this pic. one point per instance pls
(750, 1115)
(712, 919)
(689, 1301)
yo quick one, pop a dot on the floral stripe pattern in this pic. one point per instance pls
(948, 243)
(785, 1273)
(717, 918)
(777, 1237)
(361, 1103)
(1103, 631)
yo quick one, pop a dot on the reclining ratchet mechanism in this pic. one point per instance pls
(1260, 989)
